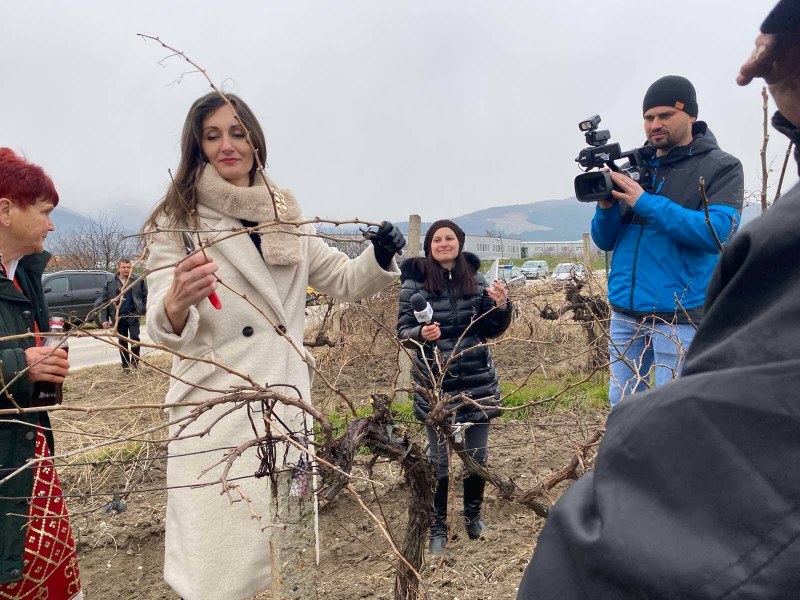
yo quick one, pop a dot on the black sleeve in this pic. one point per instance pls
(12, 361)
(407, 326)
(144, 293)
(105, 312)
(727, 185)
(694, 495)
(383, 256)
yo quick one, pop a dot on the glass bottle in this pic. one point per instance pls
(51, 393)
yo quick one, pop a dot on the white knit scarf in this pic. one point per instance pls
(280, 243)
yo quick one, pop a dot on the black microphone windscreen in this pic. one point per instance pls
(418, 302)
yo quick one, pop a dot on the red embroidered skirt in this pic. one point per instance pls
(50, 565)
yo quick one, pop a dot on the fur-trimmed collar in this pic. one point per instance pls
(411, 268)
(279, 243)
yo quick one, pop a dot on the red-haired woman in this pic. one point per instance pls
(37, 552)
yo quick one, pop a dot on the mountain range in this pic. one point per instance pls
(546, 220)
(543, 221)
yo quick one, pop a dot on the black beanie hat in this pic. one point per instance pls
(672, 90)
(426, 246)
(784, 18)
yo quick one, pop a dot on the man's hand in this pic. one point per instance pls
(630, 190)
(47, 364)
(776, 58)
(106, 324)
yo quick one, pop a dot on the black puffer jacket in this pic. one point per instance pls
(19, 313)
(472, 371)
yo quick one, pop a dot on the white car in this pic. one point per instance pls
(534, 269)
(565, 271)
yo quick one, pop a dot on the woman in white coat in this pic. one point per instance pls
(215, 549)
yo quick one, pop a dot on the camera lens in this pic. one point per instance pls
(591, 187)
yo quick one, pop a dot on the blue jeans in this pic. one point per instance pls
(639, 347)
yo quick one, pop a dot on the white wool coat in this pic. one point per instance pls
(216, 550)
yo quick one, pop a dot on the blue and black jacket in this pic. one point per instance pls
(664, 253)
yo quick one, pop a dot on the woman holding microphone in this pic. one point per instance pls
(466, 312)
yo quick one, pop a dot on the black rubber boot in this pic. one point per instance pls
(473, 499)
(438, 536)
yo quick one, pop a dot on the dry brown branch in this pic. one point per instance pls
(577, 466)
(763, 153)
(379, 433)
(590, 311)
(783, 171)
(507, 488)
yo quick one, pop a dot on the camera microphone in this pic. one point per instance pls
(422, 310)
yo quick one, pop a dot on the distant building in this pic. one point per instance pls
(485, 247)
(574, 249)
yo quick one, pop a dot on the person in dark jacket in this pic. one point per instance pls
(696, 490)
(126, 310)
(37, 552)
(466, 312)
(664, 251)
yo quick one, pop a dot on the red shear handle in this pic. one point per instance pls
(214, 299)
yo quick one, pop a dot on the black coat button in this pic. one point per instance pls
(247, 331)
(26, 314)
(16, 572)
(30, 435)
(282, 328)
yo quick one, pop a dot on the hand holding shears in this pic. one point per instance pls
(198, 273)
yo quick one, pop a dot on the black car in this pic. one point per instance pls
(74, 294)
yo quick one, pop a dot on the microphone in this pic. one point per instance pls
(422, 310)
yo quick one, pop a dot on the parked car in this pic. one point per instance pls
(569, 271)
(534, 269)
(512, 276)
(74, 294)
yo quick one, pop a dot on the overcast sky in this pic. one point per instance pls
(371, 108)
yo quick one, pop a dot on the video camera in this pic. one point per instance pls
(591, 187)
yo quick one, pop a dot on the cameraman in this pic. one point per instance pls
(664, 252)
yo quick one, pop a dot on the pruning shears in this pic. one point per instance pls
(188, 244)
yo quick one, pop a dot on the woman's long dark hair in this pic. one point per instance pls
(461, 277)
(180, 202)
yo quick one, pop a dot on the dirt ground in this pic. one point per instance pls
(121, 555)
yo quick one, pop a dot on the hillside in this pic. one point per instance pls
(548, 220)
(545, 221)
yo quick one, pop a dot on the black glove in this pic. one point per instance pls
(387, 241)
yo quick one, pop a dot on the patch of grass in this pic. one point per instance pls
(404, 411)
(117, 452)
(592, 394)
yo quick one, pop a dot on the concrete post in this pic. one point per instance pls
(587, 254)
(292, 540)
(404, 363)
